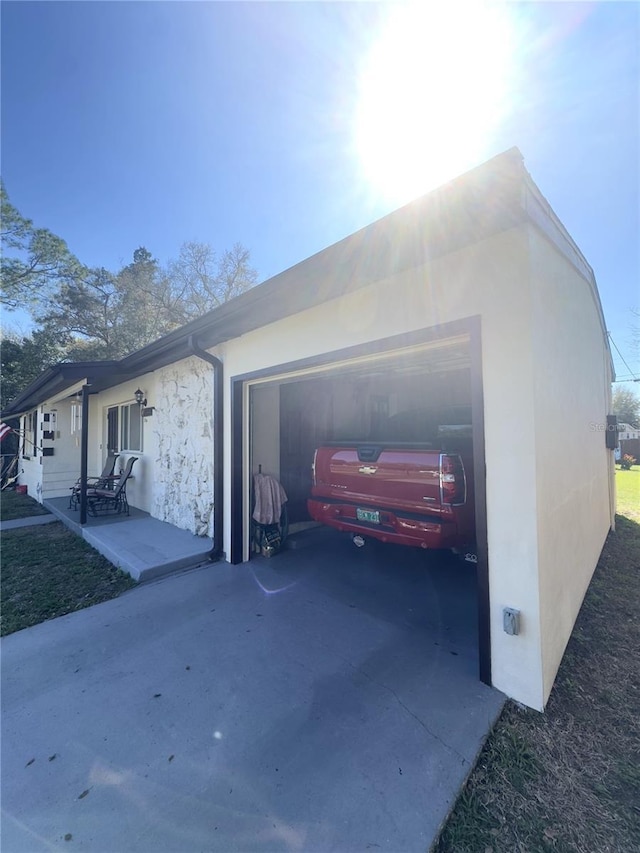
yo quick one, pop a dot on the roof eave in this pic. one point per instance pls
(443, 221)
(54, 380)
(420, 231)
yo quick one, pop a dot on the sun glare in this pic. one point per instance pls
(433, 88)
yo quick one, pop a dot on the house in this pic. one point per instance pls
(474, 295)
(628, 442)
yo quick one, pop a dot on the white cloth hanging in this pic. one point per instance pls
(269, 498)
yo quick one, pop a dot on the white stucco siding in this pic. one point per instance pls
(572, 391)
(183, 434)
(489, 279)
(493, 278)
(454, 287)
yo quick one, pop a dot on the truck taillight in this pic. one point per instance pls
(452, 480)
(313, 467)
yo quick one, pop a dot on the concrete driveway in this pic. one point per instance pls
(326, 699)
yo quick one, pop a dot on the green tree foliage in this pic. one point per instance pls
(111, 316)
(24, 358)
(140, 311)
(34, 261)
(626, 405)
(92, 314)
(107, 315)
(83, 311)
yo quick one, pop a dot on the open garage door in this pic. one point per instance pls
(288, 412)
(292, 416)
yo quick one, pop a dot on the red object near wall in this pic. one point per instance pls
(21, 490)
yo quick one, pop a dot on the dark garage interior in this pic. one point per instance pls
(292, 416)
(433, 593)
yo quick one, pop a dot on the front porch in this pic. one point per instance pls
(143, 546)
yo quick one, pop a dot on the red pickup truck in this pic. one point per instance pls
(418, 494)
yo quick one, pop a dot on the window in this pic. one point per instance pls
(30, 436)
(131, 427)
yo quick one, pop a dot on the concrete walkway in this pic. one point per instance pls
(31, 521)
(317, 701)
(144, 547)
(138, 544)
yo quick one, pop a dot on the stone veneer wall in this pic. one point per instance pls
(183, 432)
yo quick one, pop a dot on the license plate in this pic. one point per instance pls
(370, 515)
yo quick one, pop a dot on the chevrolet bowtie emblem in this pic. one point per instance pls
(367, 469)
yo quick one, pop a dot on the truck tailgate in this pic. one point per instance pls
(391, 477)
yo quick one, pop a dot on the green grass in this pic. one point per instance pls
(48, 571)
(628, 492)
(568, 780)
(14, 505)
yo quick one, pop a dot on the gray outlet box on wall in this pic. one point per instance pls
(511, 620)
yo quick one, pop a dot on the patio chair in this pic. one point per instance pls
(104, 481)
(114, 500)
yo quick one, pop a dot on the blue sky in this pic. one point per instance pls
(153, 123)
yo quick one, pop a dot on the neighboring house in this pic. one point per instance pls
(474, 295)
(628, 442)
(627, 433)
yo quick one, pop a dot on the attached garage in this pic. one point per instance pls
(475, 293)
(473, 300)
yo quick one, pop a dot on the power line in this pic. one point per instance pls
(635, 378)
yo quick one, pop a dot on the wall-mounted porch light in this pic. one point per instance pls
(141, 400)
